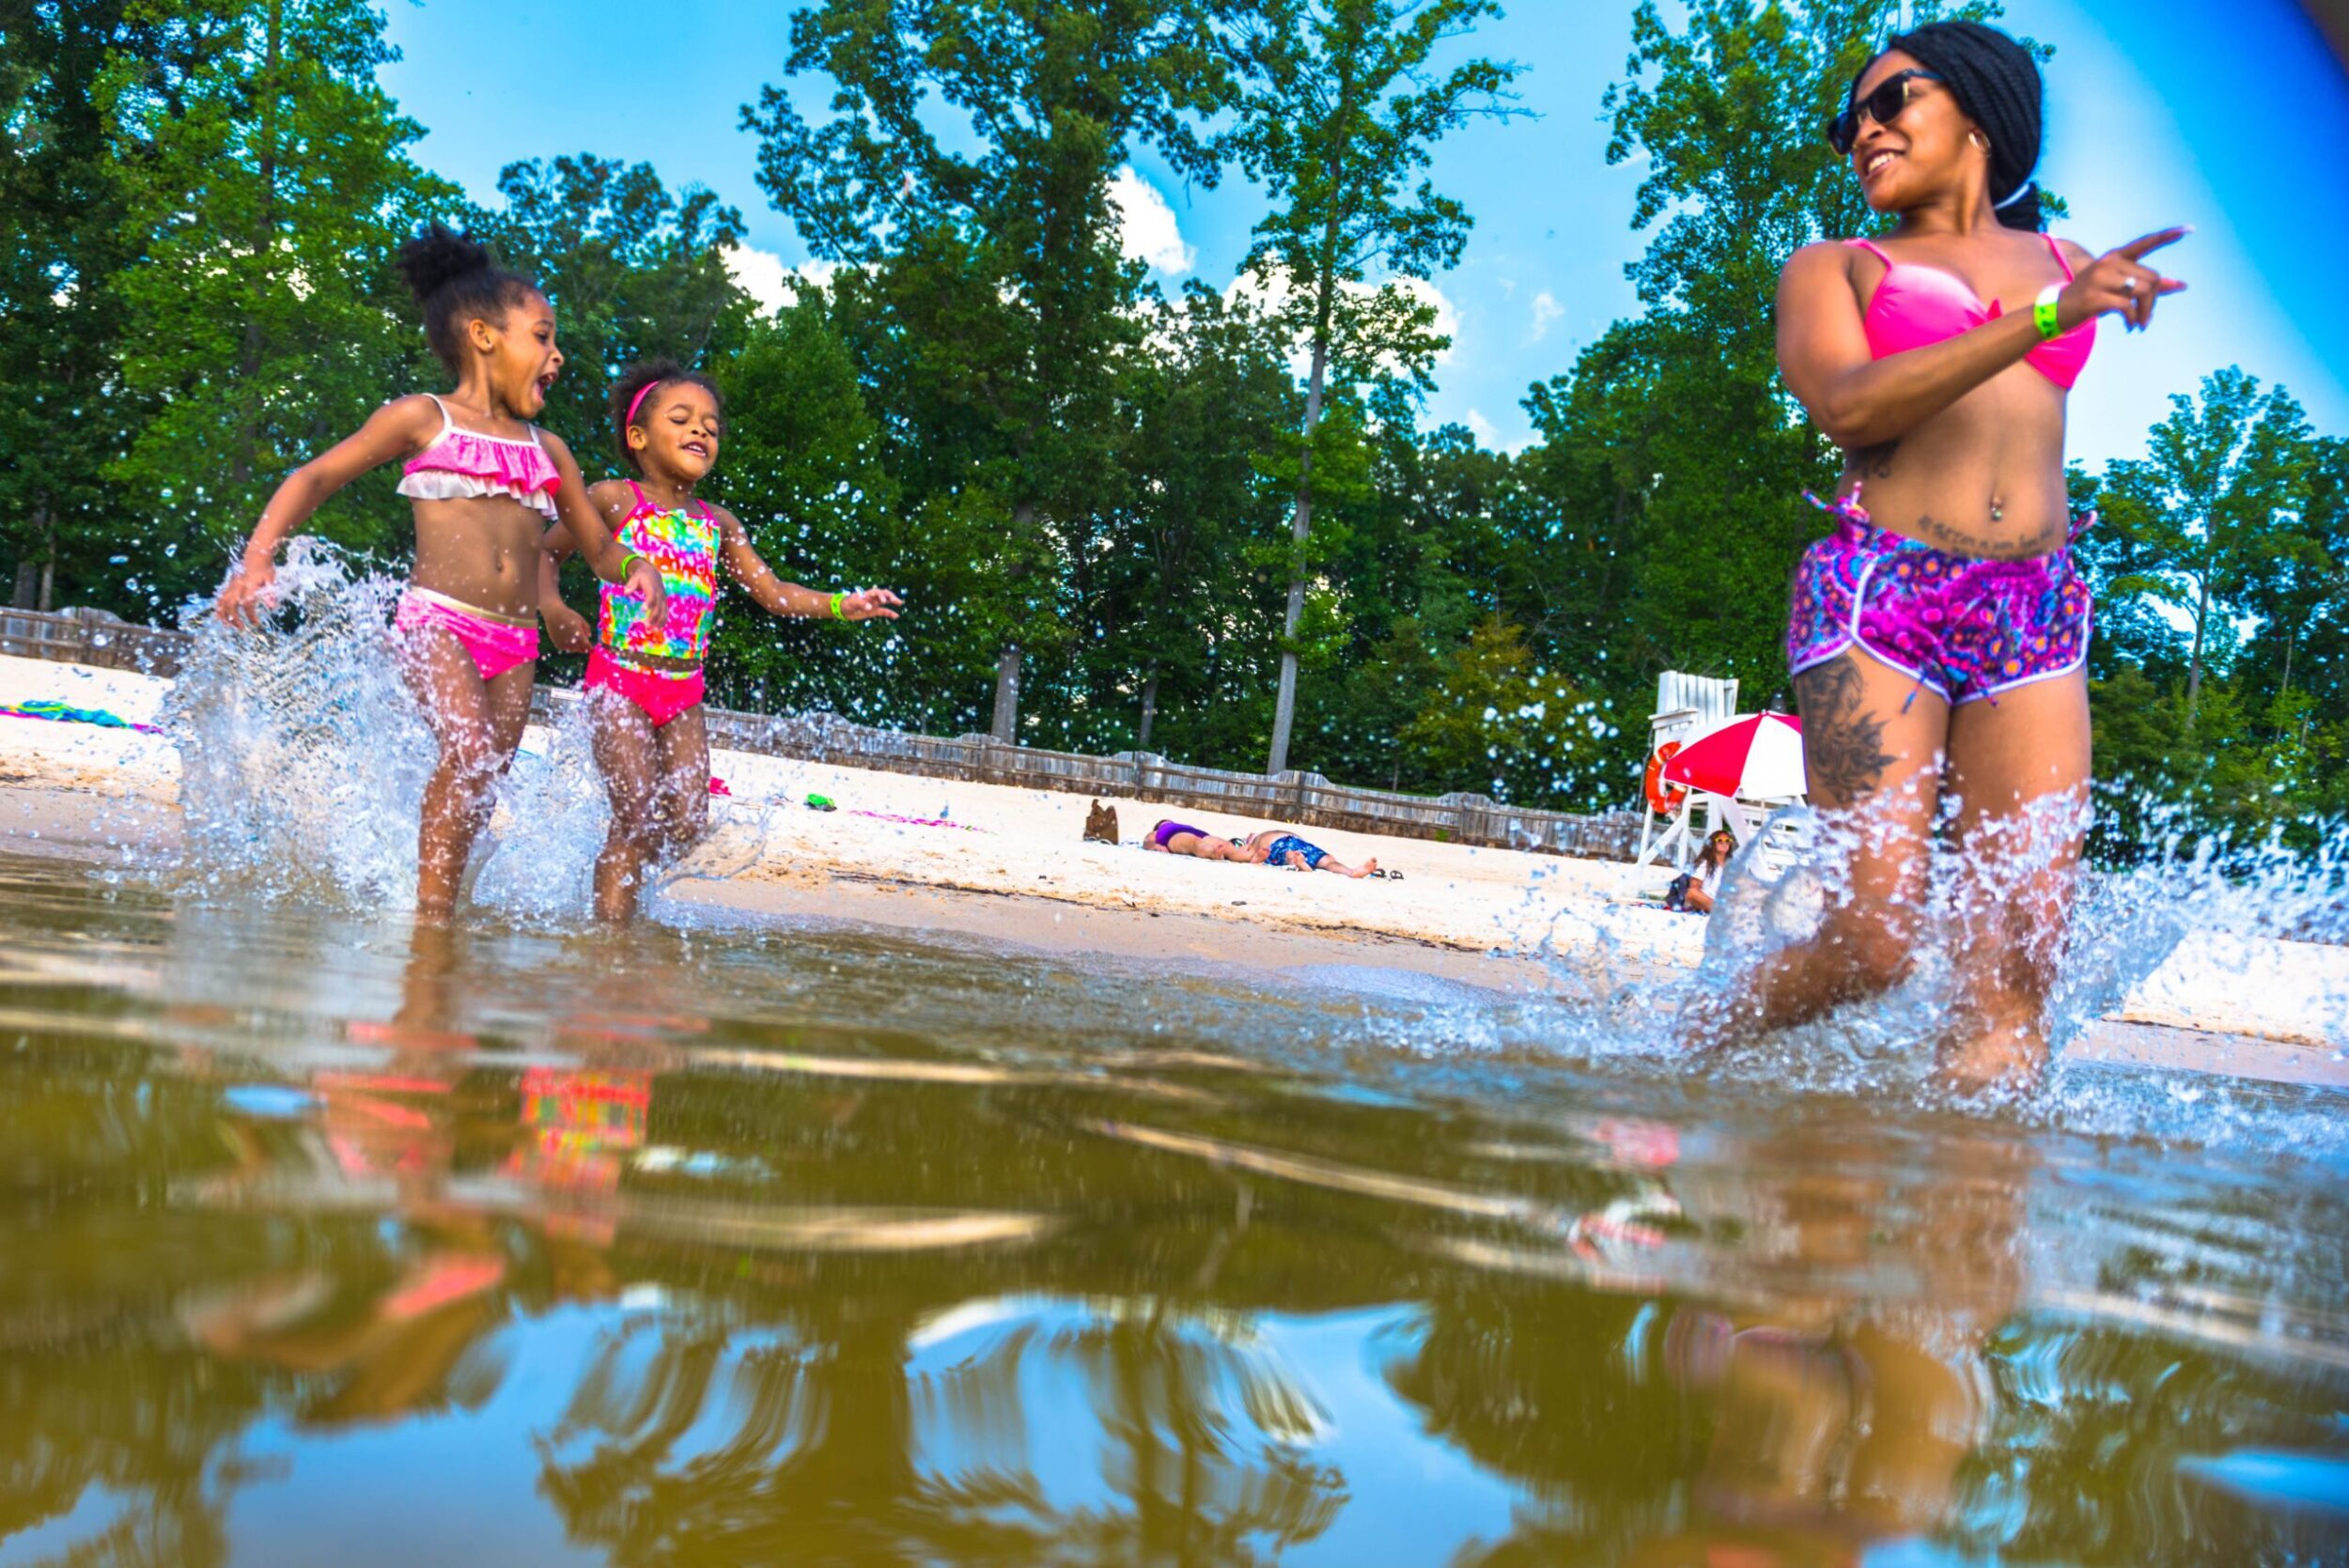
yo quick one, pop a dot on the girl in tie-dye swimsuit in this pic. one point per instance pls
(645, 680)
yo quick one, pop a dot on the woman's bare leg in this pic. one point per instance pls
(471, 721)
(1874, 759)
(628, 754)
(2020, 773)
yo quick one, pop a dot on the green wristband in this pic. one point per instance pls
(836, 601)
(2043, 312)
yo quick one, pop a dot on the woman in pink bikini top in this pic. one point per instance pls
(1939, 633)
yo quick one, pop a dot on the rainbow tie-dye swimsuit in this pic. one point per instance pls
(684, 545)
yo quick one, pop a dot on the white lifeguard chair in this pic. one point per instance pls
(1687, 706)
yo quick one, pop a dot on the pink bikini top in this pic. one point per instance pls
(1916, 305)
(458, 465)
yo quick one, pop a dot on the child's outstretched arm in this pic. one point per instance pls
(778, 598)
(398, 430)
(588, 533)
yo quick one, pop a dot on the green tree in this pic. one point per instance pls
(66, 238)
(634, 272)
(1205, 402)
(64, 410)
(1012, 210)
(1497, 721)
(271, 184)
(1343, 107)
(2207, 519)
(803, 466)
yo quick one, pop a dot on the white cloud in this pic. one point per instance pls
(1147, 230)
(1545, 310)
(764, 276)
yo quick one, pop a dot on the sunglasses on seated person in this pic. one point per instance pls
(1883, 105)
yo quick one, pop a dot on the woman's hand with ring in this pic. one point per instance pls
(2118, 281)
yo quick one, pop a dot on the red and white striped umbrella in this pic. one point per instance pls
(1759, 757)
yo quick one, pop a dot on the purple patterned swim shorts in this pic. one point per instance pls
(1962, 628)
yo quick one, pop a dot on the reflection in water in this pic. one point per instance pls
(739, 1247)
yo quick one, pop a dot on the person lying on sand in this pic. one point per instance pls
(1180, 838)
(1280, 848)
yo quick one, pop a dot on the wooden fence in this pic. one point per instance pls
(92, 637)
(1307, 799)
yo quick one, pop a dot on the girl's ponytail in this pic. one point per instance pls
(455, 280)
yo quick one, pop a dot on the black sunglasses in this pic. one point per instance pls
(1884, 106)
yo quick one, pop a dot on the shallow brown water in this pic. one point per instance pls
(323, 1240)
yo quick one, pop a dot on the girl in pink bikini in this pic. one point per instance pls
(645, 680)
(1939, 633)
(485, 482)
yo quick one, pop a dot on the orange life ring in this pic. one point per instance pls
(1663, 799)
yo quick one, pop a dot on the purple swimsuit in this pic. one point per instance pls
(1168, 830)
(1962, 628)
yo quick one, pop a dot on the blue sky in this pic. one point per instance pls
(2233, 118)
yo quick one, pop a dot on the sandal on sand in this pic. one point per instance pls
(1386, 875)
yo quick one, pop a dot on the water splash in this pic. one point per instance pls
(2185, 913)
(302, 755)
(304, 758)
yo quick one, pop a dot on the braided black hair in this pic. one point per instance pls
(637, 378)
(1995, 82)
(455, 280)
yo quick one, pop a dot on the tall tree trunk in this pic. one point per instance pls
(2291, 641)
(1006, 725)
(2194, 663)
(1149, 707)
(1300, 525)
(32, 578)
(1325, 304)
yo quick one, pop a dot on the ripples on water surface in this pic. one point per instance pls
(326, 1241)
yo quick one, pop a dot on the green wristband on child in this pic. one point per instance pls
(838, 599)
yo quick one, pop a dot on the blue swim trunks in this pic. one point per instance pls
(1279, 854)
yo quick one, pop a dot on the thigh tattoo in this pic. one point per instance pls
(1843, 743)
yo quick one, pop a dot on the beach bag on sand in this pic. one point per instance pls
(1101, 824)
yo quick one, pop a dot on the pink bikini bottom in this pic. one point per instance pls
(496, 643)
(660, 694)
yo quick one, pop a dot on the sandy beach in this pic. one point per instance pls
(1009, 865)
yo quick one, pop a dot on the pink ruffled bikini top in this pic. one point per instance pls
(458, 465)
(1916, 305)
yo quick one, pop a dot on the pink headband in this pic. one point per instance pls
(638, 401)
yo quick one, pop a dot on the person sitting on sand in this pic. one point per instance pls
(1280, 848)
(1695, 889)
(1180, 838)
